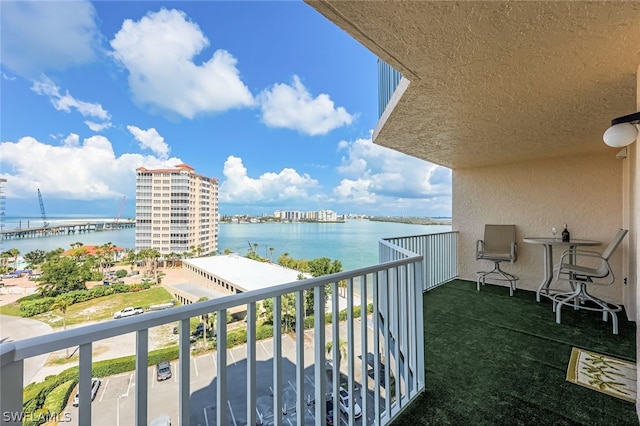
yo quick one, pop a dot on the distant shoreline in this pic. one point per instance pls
(412, 220)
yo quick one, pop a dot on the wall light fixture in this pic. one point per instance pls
(623, 131)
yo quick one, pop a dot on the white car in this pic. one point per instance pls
(345, 400)
(161, 421)
(95, 384)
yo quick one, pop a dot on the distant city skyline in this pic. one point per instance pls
(269, 97)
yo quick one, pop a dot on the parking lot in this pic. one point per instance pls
(115, 401)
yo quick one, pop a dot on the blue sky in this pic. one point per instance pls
(271, 98)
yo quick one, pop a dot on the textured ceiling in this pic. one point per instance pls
(497, 82)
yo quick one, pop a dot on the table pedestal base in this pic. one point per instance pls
(577, 300)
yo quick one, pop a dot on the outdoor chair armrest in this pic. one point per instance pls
(578, 254)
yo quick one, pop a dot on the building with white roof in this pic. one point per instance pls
(218, 276)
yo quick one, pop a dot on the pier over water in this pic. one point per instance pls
(66, 229)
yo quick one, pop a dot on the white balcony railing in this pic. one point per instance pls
(382, 363)
(438, 250)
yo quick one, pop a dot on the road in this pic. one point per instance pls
(17, 328)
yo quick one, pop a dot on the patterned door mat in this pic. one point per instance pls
(602, 373)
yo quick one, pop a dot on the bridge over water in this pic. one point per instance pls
(66, 229)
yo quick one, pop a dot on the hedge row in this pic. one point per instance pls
(57, 399)
(30, 306)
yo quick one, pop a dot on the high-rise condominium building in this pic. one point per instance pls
(176, 210)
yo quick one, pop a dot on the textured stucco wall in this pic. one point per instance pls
(584, 192)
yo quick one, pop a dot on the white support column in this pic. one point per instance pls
(300, 400)
(419, 318)
(350, 350)
(12, 375)
(335, 339)
(84, 385)
(184, 374)
(142, 367)
(251, 364)
(364, 333)
(376, 348)
(320, 374)
(386, 337)
(221, 346)
(277, 361)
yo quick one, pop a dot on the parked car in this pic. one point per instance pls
(95, 385)
(345, 400)
(161, 421)
(163, 371)
(199, 331)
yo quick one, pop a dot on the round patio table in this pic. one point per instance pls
(548, 243)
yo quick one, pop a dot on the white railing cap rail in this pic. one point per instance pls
(421, 235)
(34, 346)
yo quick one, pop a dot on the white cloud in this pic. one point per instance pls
(150, 139)
(355, 191)
(293, 107)
(158, 52)
(287, 185)
(375, 174)
(87, 170)
(67, 103)
(37, 36)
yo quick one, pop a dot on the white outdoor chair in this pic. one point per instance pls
(581, 277)
(498, 245)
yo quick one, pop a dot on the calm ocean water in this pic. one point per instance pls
(354, 242)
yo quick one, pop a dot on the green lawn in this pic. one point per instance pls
(103, 308)
(12, 309)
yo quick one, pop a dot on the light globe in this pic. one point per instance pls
(620, 135)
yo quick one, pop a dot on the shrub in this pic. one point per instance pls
(57, 399)
(236, 337)
(121, 273)
(35, 307)
(264, 331)
(36, 304)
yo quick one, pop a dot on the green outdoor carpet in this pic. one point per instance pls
(491, 359)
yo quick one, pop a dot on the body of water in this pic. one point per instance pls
(354, 242)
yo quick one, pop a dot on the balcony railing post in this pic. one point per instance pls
(184, 372)
(419, 319)
(277, 361)
(364, 332)
(84, 385)
(142, 363)
(221, 351)
(12, 374)
(320, 366)
(251, 363)
(300, 404)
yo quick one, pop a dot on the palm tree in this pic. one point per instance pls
(342, 352)
(271, 254)
(130, 258)
(62, 304)
(14, 252)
